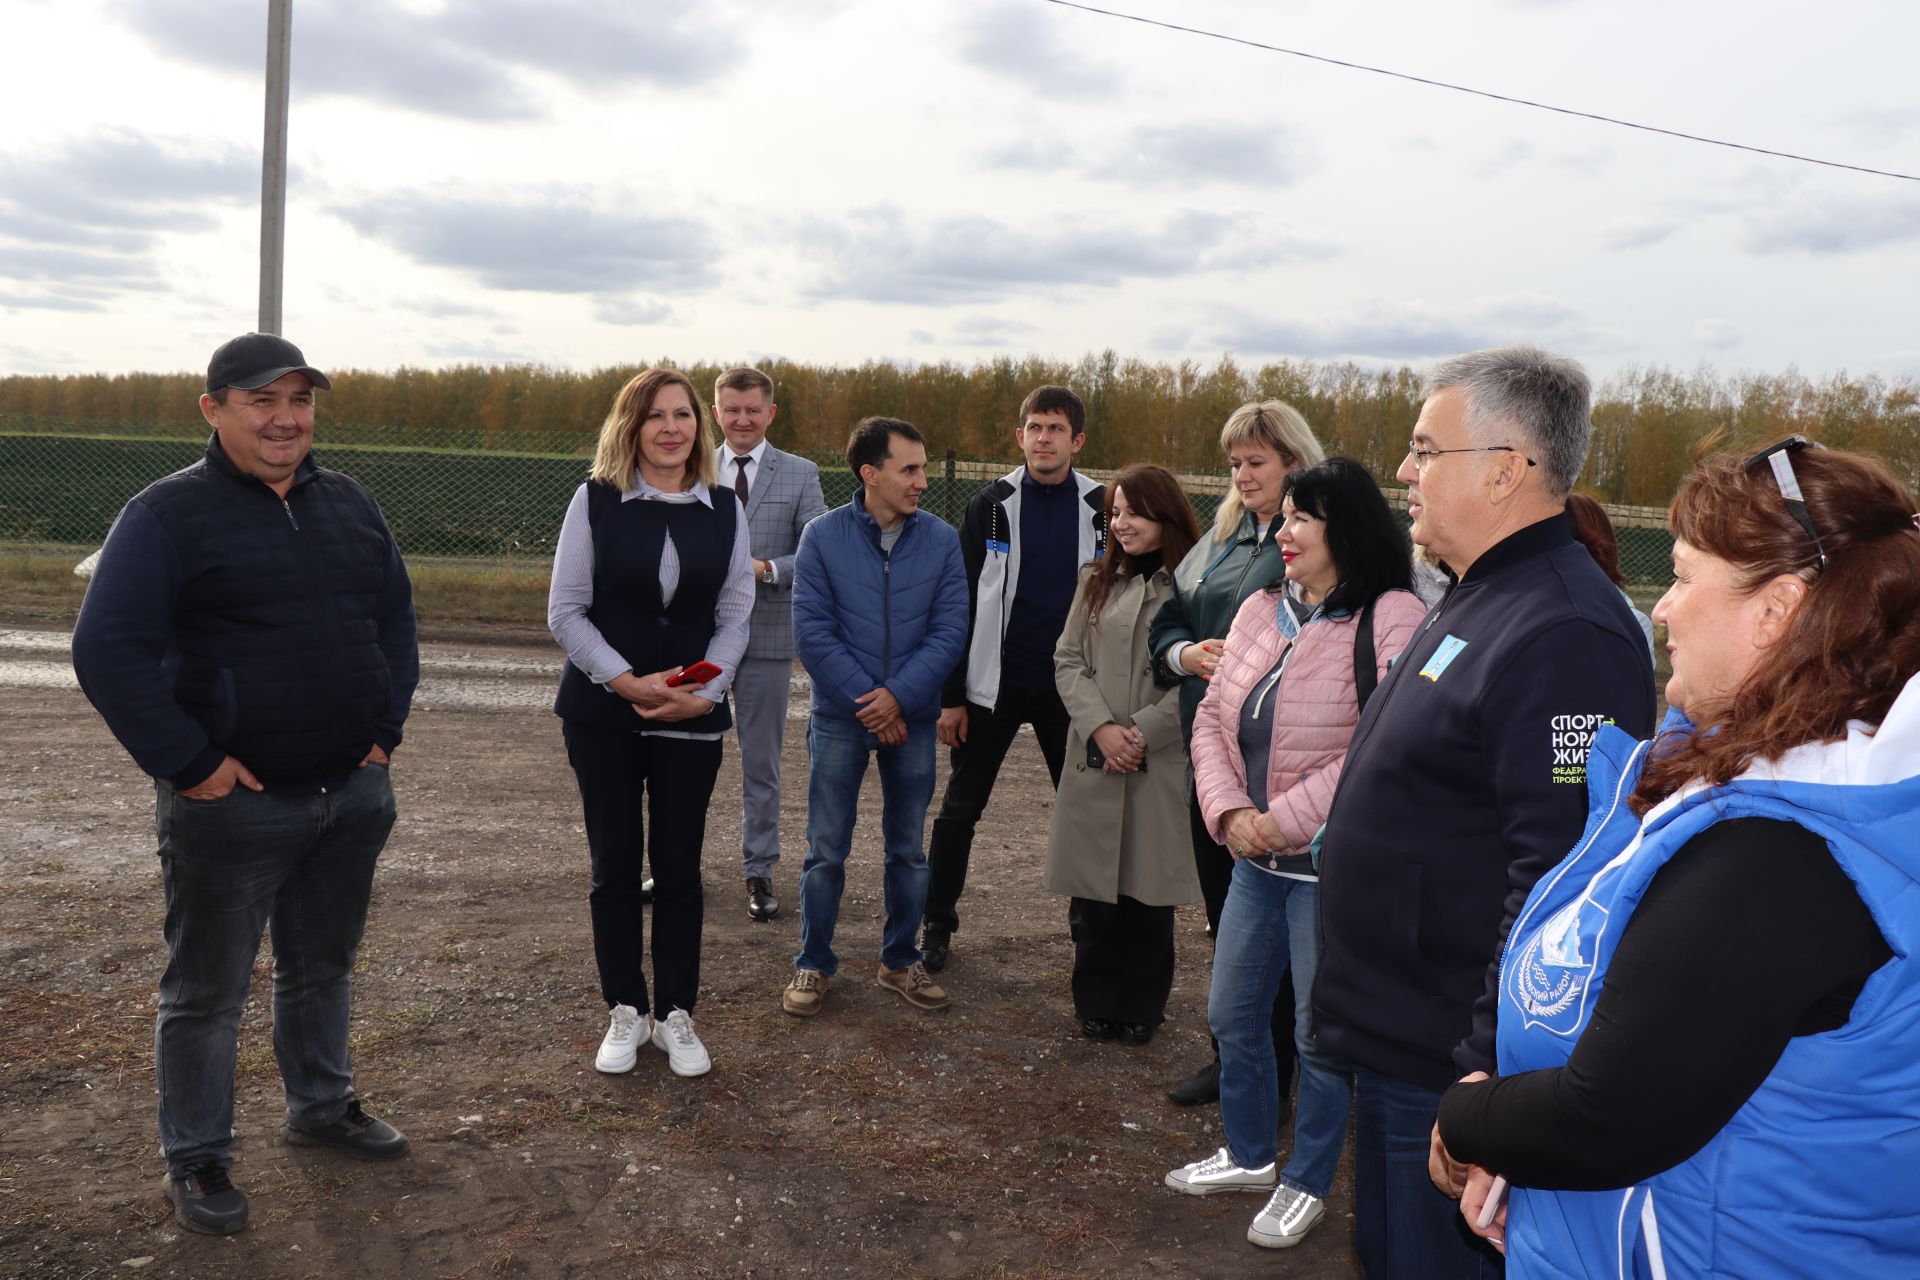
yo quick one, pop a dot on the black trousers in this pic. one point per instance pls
(1215, 866)
(1122, 960)
(624, 836)
(975, 767)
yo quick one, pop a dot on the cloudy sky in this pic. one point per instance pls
(580, 183)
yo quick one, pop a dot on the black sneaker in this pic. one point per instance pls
(934, 946)
(205, 1200)
(356, 1133)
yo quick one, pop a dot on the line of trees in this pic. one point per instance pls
(1646, 418)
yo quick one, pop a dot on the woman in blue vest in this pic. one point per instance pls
(1709, 1024)
(651, 575)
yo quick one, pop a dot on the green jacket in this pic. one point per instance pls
(1208, 589)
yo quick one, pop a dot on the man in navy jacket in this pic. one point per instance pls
(249, 639)
(879, 620)
(1466, 778)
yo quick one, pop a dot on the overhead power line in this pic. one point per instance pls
(1478, 93)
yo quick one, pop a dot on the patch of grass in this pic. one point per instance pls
(455, 593)
(37, 585)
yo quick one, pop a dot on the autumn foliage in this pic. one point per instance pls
(1646, 419)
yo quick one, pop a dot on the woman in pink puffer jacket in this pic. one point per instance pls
(1269, 739)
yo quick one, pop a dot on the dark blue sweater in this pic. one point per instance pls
(223, 621)
(1465, 782)
(1050, 516)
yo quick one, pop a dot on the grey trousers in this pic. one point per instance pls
(760, 717)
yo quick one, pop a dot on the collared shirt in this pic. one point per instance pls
(725, 455)
(571, 593)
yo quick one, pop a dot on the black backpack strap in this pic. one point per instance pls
(1365, 666)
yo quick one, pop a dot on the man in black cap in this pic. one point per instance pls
(248, 637)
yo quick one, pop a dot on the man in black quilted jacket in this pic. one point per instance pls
(248, 637)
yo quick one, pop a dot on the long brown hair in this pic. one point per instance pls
(1853, 643)
(1152, 492)
(1594, 531)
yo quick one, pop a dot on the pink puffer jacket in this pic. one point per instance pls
(1313, 719)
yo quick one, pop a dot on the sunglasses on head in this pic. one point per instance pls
(1780, 458)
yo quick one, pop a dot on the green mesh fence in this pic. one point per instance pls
(475, 495)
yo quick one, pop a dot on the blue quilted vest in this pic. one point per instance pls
(1818, 1175)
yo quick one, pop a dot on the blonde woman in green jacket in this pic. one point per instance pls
(1264, 442)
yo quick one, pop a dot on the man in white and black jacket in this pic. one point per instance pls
(1465, 780)
(1024, 538)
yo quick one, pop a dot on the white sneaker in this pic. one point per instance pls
(627, 1030)
(675, 1037)
(1218, 1172)
(1286, 1219)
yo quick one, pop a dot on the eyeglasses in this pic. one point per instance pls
(1780, 458)
(1423, 456)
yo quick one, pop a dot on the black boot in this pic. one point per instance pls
(1198, 1089)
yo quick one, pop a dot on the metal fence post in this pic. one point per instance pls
(946, 499)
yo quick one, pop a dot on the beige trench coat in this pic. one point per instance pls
(1120, 833)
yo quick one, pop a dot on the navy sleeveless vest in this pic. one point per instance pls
(628, 540)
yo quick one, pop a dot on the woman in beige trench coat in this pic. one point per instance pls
(1117, 845)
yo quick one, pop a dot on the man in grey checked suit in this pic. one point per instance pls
(781, 492)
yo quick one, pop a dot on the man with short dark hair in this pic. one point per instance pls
(781, 494)
(879, 619)
(1024, 538)
(1465, 780)
(249, 639)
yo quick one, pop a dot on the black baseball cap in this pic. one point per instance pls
(255, 359)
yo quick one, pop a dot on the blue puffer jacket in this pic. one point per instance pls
(864, 618)
(1818, 1174)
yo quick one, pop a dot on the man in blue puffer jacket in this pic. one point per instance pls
(879, 622)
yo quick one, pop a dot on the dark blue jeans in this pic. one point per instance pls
(837, 752)
(1403, 1228)
(231, 868)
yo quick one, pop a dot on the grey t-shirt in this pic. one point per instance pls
(890, 536)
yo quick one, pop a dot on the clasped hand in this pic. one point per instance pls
(654, 699)
(880, 716)
(1250, 833)
(1124, 748)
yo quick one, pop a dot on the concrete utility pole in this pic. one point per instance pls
(273, 165)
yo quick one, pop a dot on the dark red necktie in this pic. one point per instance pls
(740, 461)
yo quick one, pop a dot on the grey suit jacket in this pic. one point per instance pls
(785, 495)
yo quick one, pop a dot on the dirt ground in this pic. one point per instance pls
(874, 1140)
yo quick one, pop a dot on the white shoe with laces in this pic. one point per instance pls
(1289, 1215)
(1218, 1172)
(674, 1036)
(627, 1030)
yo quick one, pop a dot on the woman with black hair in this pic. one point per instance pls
(1269, 740)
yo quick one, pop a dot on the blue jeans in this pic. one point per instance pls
(1403, 1228)
(231, 867)
(837, 752)
(1268, 922)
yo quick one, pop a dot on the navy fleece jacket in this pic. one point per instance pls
(1465, 782)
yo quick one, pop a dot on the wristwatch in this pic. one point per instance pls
(770, 577)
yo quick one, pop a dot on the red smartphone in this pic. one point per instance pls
(698, 673)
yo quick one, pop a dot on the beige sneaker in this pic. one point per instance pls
(915, 987)
(803, 995)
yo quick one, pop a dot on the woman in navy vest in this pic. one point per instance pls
(1709, 1021)
(652, 574)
